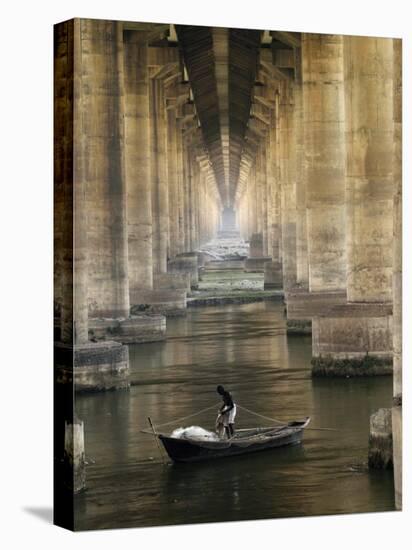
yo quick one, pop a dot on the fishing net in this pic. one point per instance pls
(194, 432)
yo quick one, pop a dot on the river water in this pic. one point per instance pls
(245, 348)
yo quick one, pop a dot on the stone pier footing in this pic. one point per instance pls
(186, 263)
(169, 302)
(225, 265)
(354, 339)
(273, 278)
(298, 327)
(93, 366)
(139, 328)
(74, 476)
(172, 281)
(256, 265)
(302, 306)
(380, 454)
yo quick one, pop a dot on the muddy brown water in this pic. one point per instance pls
(245, 348)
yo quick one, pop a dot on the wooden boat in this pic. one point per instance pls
(244, 441)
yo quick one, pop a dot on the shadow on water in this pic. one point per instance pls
(246, 348)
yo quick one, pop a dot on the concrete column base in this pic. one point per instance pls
(94, 366)
(172, 281)
(186, 263)
(302, 305)
(74, 474)
(273, 278)
(353, 340)
(137, 329)
(171, 302)
(299, 327)
(380, 454)
(225, 265)
(257, 264)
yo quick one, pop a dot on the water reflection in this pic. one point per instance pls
(245, 348)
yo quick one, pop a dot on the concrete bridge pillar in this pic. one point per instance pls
(262, 186)
(102, 90)
(90, 180)
(360, 332)
(369, 163)
(137, 154)
(160, 195)
(302, 267)
(172, 181)
(180, 184)
(251, 201)
(397, 274)
(323, 180)
(324, 145)
(288, 187)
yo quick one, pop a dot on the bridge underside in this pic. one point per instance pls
(298, 136)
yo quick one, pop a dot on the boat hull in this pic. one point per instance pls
(186, 450)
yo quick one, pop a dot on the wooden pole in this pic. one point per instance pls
(157, 440)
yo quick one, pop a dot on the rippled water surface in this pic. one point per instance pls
(245, 348)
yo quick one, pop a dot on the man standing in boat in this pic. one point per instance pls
(227, 412)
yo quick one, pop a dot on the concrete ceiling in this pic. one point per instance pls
(222, 65)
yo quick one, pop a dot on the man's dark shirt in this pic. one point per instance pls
(227, 402)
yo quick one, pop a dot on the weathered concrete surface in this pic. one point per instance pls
(256, 265)
(298, 327)
(136, 329)
(256, 246)
(137, 155)
(94, 366)
(380, 454)
(186, 262)
(324, 165)
(303, 305)
(273, 275)
(71, 277)
(90, 188)
(353, 331)
(172, 281)
(287, 175)
(222, 265)
(74, 457)
(169, 302)
(302, 266)
(101, 165)
(397, 273)
(364, 326)
(158, 174)
(369, 167)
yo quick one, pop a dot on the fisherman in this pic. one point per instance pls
(227, 412)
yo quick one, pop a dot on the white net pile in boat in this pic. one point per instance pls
(194, 432)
